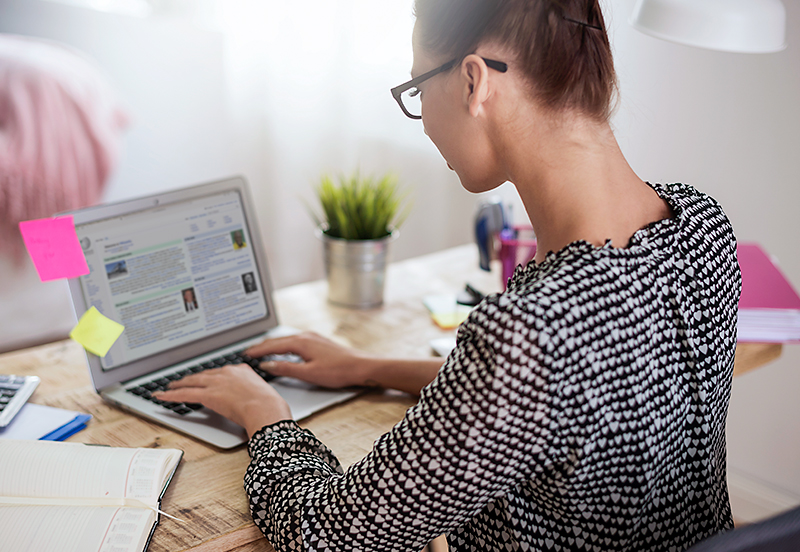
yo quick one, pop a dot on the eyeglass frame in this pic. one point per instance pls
(397, 91)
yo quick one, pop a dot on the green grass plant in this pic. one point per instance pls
(360, 208)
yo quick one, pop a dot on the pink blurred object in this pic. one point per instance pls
(769, 308)
(54, 248)
(60, 132)
(517, 247)
(763, 284)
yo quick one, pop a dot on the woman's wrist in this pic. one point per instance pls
(367, 371)
(260, 414)
(405, 375)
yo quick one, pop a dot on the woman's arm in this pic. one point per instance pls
(477, 430)
(331, 365)
(472, 436)
(239, 394)
(403, 374)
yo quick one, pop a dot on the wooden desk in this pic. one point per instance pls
(207, 491)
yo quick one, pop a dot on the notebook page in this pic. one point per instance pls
(51, 469)
(129, 530)
(148, 471)
(69, 529)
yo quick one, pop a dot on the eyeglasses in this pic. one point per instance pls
(408, 95)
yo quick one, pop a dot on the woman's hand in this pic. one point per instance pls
(325, 363)
(328, 364)
(234, 391)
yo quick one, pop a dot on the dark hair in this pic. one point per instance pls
(562, 45)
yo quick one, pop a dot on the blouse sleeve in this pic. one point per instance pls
(484, 425)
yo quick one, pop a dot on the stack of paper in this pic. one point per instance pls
(45, 423)
(769, 309)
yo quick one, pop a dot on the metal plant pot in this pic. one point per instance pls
(356, 270)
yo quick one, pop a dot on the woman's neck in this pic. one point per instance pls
(576, 185)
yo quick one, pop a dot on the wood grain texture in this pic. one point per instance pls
(207, 490)
(753, 355)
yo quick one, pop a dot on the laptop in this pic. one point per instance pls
(185, 272)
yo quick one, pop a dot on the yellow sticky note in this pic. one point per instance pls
(446, 312)
(449, 320)
(96, 332)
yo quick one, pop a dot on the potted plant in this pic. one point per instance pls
(358, 221)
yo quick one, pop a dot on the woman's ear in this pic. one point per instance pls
(475, 77)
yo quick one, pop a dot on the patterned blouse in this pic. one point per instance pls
(582, 409)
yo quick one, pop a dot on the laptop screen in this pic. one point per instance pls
(172, 274)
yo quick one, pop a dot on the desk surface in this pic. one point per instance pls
(207, 491)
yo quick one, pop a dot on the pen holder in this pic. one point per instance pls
(517, 247)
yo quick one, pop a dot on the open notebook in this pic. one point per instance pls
(70, 497)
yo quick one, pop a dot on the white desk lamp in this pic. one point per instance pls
(745, 26)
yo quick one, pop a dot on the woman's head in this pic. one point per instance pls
(561, 46)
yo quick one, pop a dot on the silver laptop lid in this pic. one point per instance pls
(184, 271)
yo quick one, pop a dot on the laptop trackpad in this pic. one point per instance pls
(305, 399)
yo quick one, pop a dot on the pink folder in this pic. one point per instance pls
(763, 284)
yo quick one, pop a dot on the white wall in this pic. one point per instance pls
(316, 75)
(729, 124)
(169, 74)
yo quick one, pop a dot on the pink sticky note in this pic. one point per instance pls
(54, 248)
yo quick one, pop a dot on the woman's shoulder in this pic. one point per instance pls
(501, 314)
(565, 294)
(530, 307)
(690, 206)
(699, 233)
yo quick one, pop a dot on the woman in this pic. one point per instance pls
(583, 408)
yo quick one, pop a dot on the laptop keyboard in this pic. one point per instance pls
(146, 390)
